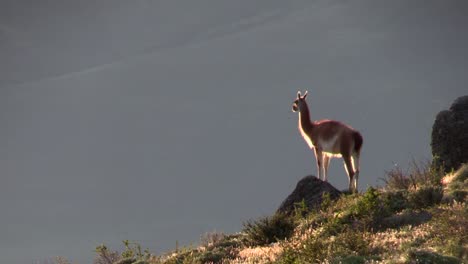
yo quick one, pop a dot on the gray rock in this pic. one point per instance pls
(449, 141)
(309, 189)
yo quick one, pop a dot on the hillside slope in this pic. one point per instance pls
(419, 217)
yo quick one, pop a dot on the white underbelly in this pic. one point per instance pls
(329, 147)
(333, 155)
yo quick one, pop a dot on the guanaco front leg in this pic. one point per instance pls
(319, 159)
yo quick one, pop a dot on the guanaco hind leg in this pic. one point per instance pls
(326, 164)
(350, 171)
(355, 159)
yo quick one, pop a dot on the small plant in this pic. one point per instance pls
(211, 238)
(131, 255)
(368, 208)
(326, 201)
(133, 251)
(105, 255)
(397, 179)
(300, 209)
(418, 174)
(267, 230)
(425, 197)
(396, 201)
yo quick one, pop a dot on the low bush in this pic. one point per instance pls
(396, 201)
(367, 211)
(425, 197)
(397, 179)
(211, 238)
(267, 230)
(105, 255)
(418, 174)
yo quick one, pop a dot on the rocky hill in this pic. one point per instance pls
(417, 217)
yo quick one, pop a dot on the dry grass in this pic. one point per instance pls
(417, 174)
(458, 176)
(261, 254)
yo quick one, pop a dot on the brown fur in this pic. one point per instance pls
(330, 138)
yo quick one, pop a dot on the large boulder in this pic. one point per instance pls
(309, 189)
(449, 141)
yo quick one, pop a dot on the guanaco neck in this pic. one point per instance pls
(305, 123)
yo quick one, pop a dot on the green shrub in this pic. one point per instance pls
(368, 204)
(368, 209)
(105, 255)
(300, 210)
(267, 230)
(425, 197)
(326, 201)
(396, 201)
(131, 255)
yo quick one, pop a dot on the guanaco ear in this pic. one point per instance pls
(298, 94)
(305, 94)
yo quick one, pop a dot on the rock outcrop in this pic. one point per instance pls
(309, 189)
(449, 140)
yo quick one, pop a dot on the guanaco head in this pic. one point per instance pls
(299, 101)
